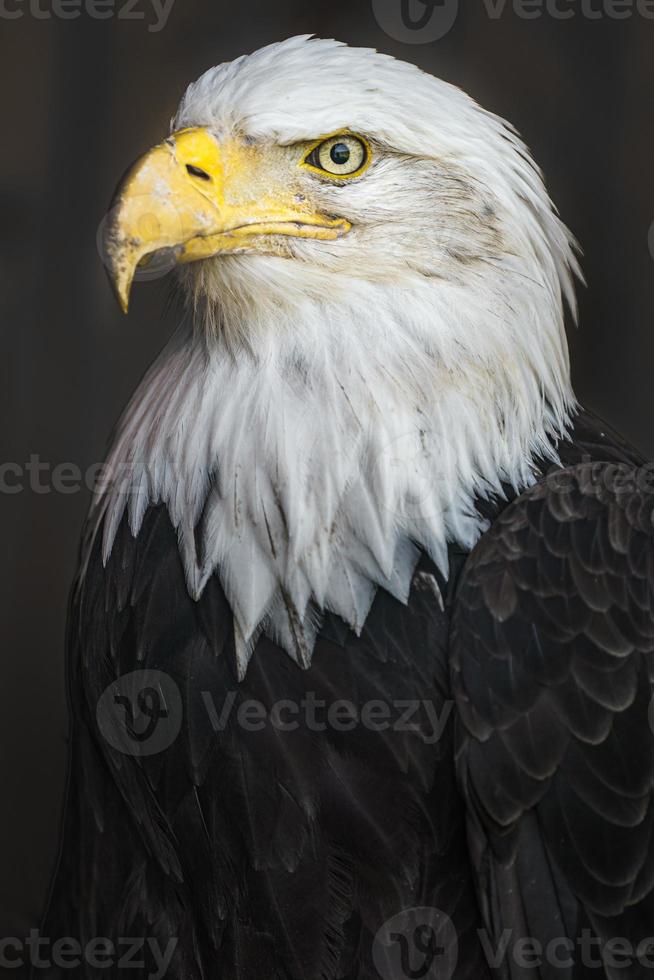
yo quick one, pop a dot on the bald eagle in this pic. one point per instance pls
(359, 544)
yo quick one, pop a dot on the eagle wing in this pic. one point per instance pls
(553, 663)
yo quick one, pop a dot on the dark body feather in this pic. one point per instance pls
(280, 854)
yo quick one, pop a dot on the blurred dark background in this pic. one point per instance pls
(83, 97)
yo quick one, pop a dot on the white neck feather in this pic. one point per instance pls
(309, 466)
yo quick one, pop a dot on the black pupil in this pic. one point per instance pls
(340, 154)
(197, 172)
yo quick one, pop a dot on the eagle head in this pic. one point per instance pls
(310, 165)
(374, 334)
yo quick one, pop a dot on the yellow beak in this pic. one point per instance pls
(199, 197)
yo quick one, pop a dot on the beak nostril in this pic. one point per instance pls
(197, 172)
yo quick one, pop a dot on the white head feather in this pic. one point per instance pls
(327, 412)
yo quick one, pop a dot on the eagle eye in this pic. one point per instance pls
(197, 172)
(343, 156)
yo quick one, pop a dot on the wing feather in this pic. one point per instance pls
(552, 657)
